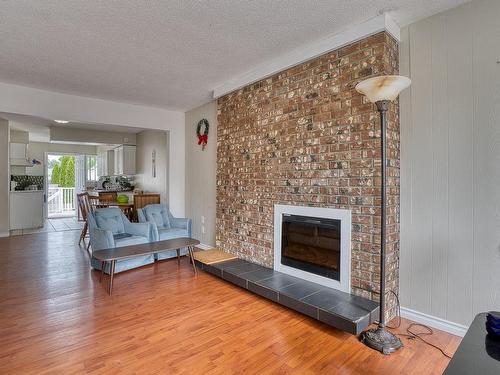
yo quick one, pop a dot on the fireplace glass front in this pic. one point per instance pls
(311, 244)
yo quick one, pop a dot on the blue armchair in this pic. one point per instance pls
(166, 226)
(109, 227)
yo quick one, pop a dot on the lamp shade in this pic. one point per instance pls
(383, 87)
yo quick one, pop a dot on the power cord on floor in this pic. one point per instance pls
(412, 335)
(398, 315)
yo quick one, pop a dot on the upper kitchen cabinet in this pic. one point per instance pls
(19, 154)
(124, 160)
(18, 151)
(106, 163)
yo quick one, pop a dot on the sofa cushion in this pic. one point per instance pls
(131, 240)
(157, 214)
(167, 234)
(110, 219)
(121, 236)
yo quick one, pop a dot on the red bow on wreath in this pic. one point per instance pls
(202, 138)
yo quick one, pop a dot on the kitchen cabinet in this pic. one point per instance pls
(26, 209)
(106, 163)
(124, 160)
(18, 151)
(18, 154)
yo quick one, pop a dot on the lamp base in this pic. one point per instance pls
(382, 340)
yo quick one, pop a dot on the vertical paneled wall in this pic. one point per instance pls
(450, 174)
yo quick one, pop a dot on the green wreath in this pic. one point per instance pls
(202, 138)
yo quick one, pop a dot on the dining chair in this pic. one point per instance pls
(85, 207)
(94, 201)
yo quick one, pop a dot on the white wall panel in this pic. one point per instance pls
(450, 174)
(201, 168)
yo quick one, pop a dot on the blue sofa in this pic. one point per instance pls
(109, 227)
(166, 226)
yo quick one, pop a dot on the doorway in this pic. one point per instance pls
(66, 175)
(61, 184)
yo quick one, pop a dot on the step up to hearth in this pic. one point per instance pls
(341, 310)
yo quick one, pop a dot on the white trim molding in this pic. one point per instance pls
(299, 55)
(4, 234)
(345, 244)
(435, 322)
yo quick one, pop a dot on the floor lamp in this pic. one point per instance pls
(381, 91)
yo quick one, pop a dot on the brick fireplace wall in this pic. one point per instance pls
(305, 137)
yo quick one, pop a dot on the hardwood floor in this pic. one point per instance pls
(55, 318)
(52, 225)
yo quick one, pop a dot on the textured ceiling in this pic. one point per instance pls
(168, 53)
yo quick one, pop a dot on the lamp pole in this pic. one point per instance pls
(379, 338)
(382, 90)
(382, 106)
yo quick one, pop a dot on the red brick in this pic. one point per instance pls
(305, 137)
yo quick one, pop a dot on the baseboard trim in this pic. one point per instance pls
(434, 322)
(4, 234)
(204, 246)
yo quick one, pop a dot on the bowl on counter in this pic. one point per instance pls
(122, 198)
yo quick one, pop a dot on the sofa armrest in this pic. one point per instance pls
(101, 239)
(181, 223)
(141, 229)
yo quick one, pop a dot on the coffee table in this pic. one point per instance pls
(118, 253)
(478, 353)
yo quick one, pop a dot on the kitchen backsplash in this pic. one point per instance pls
(24, 181)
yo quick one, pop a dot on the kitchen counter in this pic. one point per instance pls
(26, 209)
(109, 191)
(26, 191)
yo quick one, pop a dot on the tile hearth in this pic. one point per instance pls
(341, 310)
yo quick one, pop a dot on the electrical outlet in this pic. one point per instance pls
(125, 140)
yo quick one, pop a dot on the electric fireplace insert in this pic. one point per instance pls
(311, 244)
